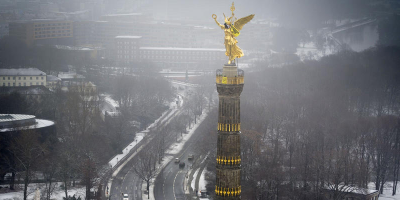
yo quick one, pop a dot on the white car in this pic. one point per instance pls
(125, 197)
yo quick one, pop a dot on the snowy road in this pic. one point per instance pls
(124, 180)
(170, 183)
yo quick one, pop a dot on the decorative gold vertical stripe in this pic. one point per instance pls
(228, 160)
(228, 127)
(228, 192)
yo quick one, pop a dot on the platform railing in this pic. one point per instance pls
(239, 79)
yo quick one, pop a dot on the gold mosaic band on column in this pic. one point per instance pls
(228, 127)
(228, 192)
(224, 160)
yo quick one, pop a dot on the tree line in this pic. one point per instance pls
(322, 124)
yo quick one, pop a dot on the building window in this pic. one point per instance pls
(8, 84)
(19, 78)
(4, 78)
(31, 77)
(4, 84)
(41, 83)
(13, 77)
(37, 83)
(19, 84)
(13, 84)
(24, 78)
(37, 78)
(42, 77)
(24, 84)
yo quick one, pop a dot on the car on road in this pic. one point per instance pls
(181, 165)
(177, 160)
(125, 196)
(190, 157)
(203, 194)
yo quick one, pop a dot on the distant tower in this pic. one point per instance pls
(230, 82)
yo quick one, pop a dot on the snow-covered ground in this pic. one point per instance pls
(387, 191)
(57, 194)
(193, 183)
(117, 158)
(111, 101)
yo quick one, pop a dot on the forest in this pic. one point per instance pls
(322, 124)
(316, 125)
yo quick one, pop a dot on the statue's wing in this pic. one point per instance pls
(242, 21)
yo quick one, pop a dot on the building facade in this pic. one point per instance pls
(41, 31)
(127, 48)
(181, 55)
(230, 82)
(22, 77)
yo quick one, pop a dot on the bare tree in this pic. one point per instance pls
(145, 165)
(50, 169)
(89, 173)
(27, 152)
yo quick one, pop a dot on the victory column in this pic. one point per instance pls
(230, 82)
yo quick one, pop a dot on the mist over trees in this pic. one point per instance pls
(318, 124)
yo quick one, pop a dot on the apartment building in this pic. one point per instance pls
(181, 55)
(127, 48)
(42, 31)
(22, 77)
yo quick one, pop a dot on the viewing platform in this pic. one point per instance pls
(230, 75)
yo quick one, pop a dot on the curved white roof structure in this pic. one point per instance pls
(15, 122)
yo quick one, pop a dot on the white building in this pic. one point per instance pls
(22, 77)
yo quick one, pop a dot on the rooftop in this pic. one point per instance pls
(15, 122)
(14, 117)
(128, 37)
(77, 48)
(52, 78)
(126, 14)
(21, 72)
(70, 76)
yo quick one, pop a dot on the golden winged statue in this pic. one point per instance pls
(231, 29)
